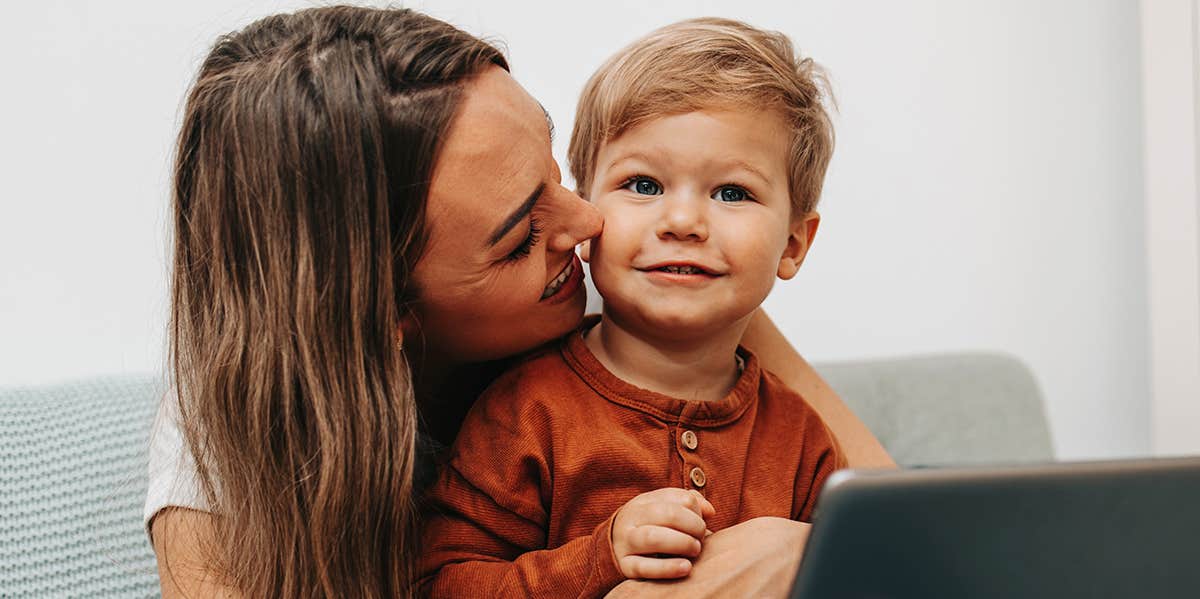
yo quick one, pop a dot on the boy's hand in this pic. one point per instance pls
(655, 534)
(757, 558)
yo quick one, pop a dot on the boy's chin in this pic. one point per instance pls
(678, 326)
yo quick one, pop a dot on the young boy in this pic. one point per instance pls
(613, 453)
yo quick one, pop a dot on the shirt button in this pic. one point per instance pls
(698, 478)
(689, 440)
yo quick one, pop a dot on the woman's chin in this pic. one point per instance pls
(566, 317)
(511, 336)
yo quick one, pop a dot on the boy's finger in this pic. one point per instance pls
(689, 498)
(651, 540)
(672, 494)
(671, 515)
(693, 500)
(640, 566)
(703, 506)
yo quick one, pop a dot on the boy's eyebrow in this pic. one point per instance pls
(742, 164)
(631, 156)
(750, 168)
(549, 120)
(517, 216)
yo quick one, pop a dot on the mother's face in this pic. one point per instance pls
(499, 275)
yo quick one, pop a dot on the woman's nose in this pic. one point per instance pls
(576, 221)
(683, 217)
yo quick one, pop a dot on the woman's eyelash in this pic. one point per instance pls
(535, 232)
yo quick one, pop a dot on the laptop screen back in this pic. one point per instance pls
(1111, 529)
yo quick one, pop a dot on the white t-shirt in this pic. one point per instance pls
(173, 478)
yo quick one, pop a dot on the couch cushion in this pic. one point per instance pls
(953, 409)
(72, 484)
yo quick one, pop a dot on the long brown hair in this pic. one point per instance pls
(304, 160)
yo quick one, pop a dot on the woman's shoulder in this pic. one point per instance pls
(782, 402)
(469, 387)
(535, 383)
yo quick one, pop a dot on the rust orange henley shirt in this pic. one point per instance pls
(523, 505)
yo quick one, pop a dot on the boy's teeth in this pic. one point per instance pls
(681, 270)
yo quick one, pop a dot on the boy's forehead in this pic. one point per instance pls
(632, 119)
(753, 140)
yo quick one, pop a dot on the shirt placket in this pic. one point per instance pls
(687, 443)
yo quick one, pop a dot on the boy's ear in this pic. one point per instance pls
(802, 231)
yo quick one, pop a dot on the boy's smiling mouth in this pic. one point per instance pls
(683, 269)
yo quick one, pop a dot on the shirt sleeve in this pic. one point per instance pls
(173, 480)
(485, 519)
(822, 457)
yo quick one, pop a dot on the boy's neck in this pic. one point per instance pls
(703, 368)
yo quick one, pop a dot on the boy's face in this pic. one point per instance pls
(697, 221)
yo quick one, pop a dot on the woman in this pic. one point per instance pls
(365, 204)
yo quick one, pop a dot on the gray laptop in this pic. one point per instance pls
(1126, 529)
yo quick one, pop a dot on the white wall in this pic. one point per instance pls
(986, 192)
(1171, 97)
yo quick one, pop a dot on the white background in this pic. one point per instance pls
(986, 192)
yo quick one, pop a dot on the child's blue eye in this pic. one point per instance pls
(643, 186)
(730, 193)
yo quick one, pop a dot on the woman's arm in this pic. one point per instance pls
(861, 448)
(179, 536)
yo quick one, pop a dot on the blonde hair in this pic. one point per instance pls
(301, 177)
(709, 63)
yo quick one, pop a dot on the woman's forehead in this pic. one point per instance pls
(496, 152)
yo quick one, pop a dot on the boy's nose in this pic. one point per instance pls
(684, 217)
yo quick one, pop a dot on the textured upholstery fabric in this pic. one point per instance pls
(72, 484)
(73, 458)
(942, 410)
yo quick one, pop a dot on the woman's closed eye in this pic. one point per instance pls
(642, 185)
(731, 193)
(531, 239)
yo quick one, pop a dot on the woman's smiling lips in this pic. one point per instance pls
(565, 283)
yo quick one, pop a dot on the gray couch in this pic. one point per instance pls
(73, 458)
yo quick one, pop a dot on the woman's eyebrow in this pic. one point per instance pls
(517, 216)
